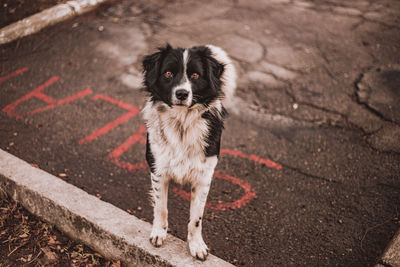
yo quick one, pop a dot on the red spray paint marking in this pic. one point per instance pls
(138, 137)
(15, 73)
(115, 155)
(267, 162)
(248, 195)
(61, 102)
(132, 112)
(35, 93)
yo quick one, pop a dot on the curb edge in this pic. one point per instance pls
(47, 17)
(391, 255)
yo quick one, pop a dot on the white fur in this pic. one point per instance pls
(178, 156)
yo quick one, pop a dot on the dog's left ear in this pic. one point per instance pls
(214, 69)
(214, 72)
(150, 68)
(151, 65)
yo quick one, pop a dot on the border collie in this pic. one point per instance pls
(184, 116)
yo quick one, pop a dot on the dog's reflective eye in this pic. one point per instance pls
(168, 74)
(195, 76)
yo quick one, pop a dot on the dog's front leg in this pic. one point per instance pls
(199, 194)
(160, 199)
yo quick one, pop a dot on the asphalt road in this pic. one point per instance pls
(309, 173)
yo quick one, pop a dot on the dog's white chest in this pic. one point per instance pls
(177, 141)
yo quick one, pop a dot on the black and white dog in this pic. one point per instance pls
(184, 116)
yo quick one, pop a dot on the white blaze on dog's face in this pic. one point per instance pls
(182, 93)
(183, 77)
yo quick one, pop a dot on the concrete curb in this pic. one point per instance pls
(391, 256)
(102, 226)
(46, 18)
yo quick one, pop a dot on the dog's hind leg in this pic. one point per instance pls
(199, 194)
(160, 198)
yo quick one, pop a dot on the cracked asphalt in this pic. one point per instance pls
(312, 140)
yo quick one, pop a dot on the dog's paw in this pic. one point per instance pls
(158, 236)
(198, 249)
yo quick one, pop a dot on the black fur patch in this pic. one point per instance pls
(149, 155)
(198, 222)
(215, 127)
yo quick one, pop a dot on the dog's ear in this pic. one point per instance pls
(151, 65)
(214, 69)
(214, 72)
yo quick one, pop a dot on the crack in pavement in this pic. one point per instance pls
(244, 111)
(389, 185)
(310, 175)
(296, 169)
(365, 104)
(294, 99)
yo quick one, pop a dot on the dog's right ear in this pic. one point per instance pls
(151, 65)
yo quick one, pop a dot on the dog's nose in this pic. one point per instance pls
(181, 94)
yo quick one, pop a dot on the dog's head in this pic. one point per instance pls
(183, 77)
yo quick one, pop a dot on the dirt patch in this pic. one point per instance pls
(14, 10)
(27, 241)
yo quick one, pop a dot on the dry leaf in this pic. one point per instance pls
(53, 241)
(116, 264)
(49, 256)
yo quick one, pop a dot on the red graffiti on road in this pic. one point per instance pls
(15, 73)
(37, 93)
(267, 162)
(248, 195)
(116, 154)
(137, 137)
(132, 112)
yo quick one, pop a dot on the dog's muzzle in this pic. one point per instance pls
(182, 97)
(181, 94)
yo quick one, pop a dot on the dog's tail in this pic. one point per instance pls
(228, 76)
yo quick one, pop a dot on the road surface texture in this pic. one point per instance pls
(310, 165)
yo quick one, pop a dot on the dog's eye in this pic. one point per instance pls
(194, 76)
(168, 75)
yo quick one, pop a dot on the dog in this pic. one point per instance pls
(184, 114)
